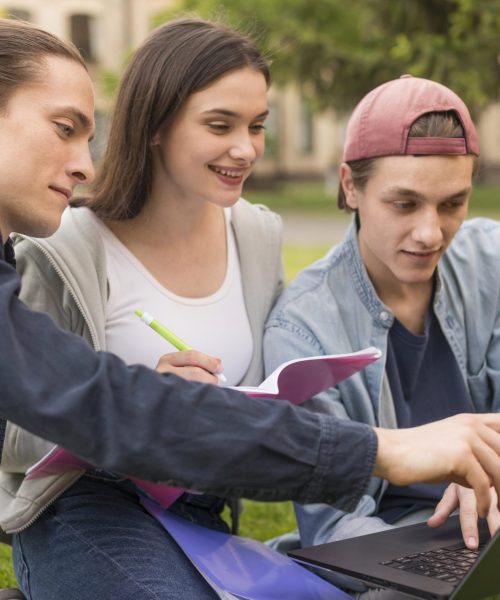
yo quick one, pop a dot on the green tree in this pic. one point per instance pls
(337, 50)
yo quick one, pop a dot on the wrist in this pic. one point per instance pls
(388, 455)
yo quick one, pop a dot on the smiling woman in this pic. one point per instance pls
(211, 147)
(164, 229)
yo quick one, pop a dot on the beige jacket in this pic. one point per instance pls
(65, 276)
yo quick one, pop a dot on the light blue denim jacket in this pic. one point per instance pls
(332, 307)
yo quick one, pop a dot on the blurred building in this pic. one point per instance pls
(105, 31)
(299, 143)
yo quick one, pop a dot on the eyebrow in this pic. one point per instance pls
(229, 113)
(409, 193)
(461, 194)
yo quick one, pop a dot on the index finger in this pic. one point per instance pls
(468, 517)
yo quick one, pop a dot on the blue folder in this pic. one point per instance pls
(245, 568)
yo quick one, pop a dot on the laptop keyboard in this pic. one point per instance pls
(446, 564)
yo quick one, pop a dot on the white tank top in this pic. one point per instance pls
(217, 324)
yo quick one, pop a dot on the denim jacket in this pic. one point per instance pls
(332, 307)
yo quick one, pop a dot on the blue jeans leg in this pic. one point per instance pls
(96, 541)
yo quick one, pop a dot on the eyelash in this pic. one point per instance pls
(218, 127)
(403, 205)
(223, 127)
(452, 205)
(66, 129)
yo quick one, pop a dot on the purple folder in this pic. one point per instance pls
(243, 567)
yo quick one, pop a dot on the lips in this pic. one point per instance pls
(226, 172)
(64, 191)
(228, 175)
(421, 255)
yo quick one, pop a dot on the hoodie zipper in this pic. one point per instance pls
(95, 344)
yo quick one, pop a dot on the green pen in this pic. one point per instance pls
(162, 330)
(167, 334)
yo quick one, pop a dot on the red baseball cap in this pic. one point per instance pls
(381, 122)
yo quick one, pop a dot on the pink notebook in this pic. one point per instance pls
(295, 381)
(302, 378)
(59, 460)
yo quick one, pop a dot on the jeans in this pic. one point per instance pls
(97, 542)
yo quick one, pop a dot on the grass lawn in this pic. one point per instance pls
(265, 520)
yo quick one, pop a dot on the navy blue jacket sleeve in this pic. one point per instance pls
(159, 427)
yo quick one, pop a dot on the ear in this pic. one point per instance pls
(346, 180)
(156, 139)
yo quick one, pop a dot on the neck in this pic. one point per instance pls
(4, 233)
(409, 304)
(169, 222)
(184, 250)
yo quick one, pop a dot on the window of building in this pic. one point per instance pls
(82, 35)
(98, 144)
(306, 128)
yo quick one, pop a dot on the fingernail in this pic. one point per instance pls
(471, 542)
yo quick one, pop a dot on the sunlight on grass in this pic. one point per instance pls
(7, 578)
(485, 202)
(265, 520)
(296, 258)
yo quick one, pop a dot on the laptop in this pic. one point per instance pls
(417, 560)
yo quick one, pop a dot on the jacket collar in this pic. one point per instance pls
(7, 252)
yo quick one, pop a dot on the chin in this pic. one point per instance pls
(232, 198)
(226, 201)
(43, 228)
(232, 202)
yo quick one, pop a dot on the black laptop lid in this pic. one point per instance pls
(483, 580)
(361, 557)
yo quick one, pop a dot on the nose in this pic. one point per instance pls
(245, 148)
(429, 230)
(81, 167)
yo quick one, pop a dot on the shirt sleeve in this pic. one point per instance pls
(134, 421)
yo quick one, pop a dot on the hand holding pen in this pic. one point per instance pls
(188, 363)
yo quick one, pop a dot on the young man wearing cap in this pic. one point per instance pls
(411, 278)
